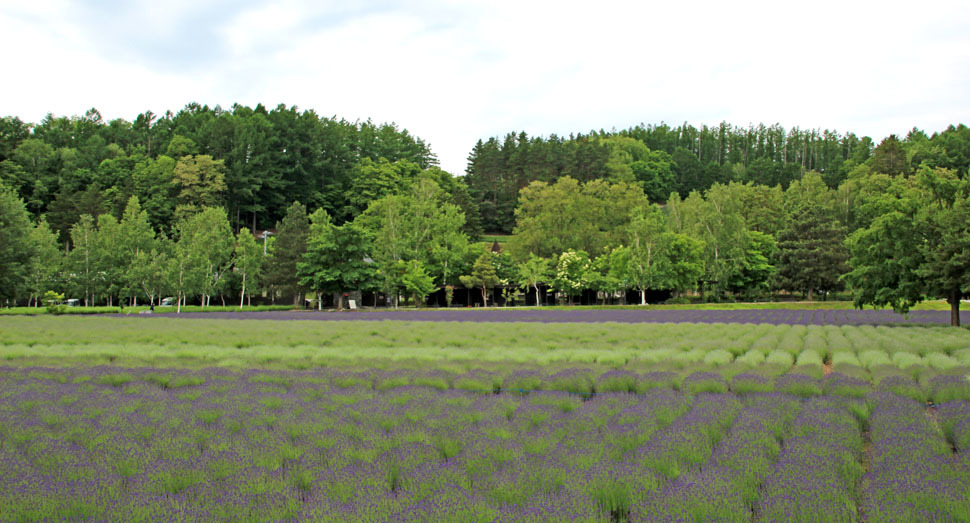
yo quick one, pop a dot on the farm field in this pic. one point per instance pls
(113, 418)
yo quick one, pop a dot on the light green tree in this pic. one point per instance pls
(416, 281)
(567, 215)
(46, 261)
(716, 223)
(201, 182)
(206, 244)
(135, 236)
(82, 260)
(659, 258)
(148, 271)
(483, 275)
(109, 258)
(572, 273)
(248, 261)
(15, 250)
(602, 279)
(419, 225)
(337, 258)
(534, 271)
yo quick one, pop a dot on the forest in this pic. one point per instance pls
(278, 204)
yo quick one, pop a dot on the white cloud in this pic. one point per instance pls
(452, 73)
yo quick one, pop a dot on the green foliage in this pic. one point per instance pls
(15, 249)
(373, 180)
(47, 260)
(532, 272)
(568, 215)
(248, 262)
(53, 302)
(577, 193)
(288, 249)
(716, 222)
(203, 253)
(657, 258)
(811, 254)
(483, 275)
(336, 259)
(201, 181)
(917, 244)
(420, 225)
(416, 281)
(572, 273)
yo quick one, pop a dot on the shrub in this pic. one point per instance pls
(906, 359)
(718, 357)
(617, 381)
(704, 382)
(950, 388)
(798, 384)
(780, 357)
(52, 301)
(748, 383)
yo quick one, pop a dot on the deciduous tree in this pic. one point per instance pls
(917, 247)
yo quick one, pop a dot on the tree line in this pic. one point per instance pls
(662, 159)
(122, 211)
(252, 162)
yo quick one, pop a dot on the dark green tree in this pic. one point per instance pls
(811, 254)
(15, 250)
(288, 249)
(890, 157)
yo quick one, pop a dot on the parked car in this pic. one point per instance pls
(167, 302)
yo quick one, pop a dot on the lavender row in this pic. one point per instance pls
(817, 472)
(580, 380)
(914, 474)
(725, 488)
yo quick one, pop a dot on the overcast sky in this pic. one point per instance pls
(452, 73)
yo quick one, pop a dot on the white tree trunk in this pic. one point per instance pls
(242, 295)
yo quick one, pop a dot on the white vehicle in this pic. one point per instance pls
(167, 302)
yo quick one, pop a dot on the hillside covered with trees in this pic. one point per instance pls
(124, 212)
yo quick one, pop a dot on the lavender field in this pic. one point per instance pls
(110, 444)
(164, 419)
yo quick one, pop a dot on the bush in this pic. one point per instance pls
(53, 302)
(747, 383)
(680, 300)
(704, 382)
